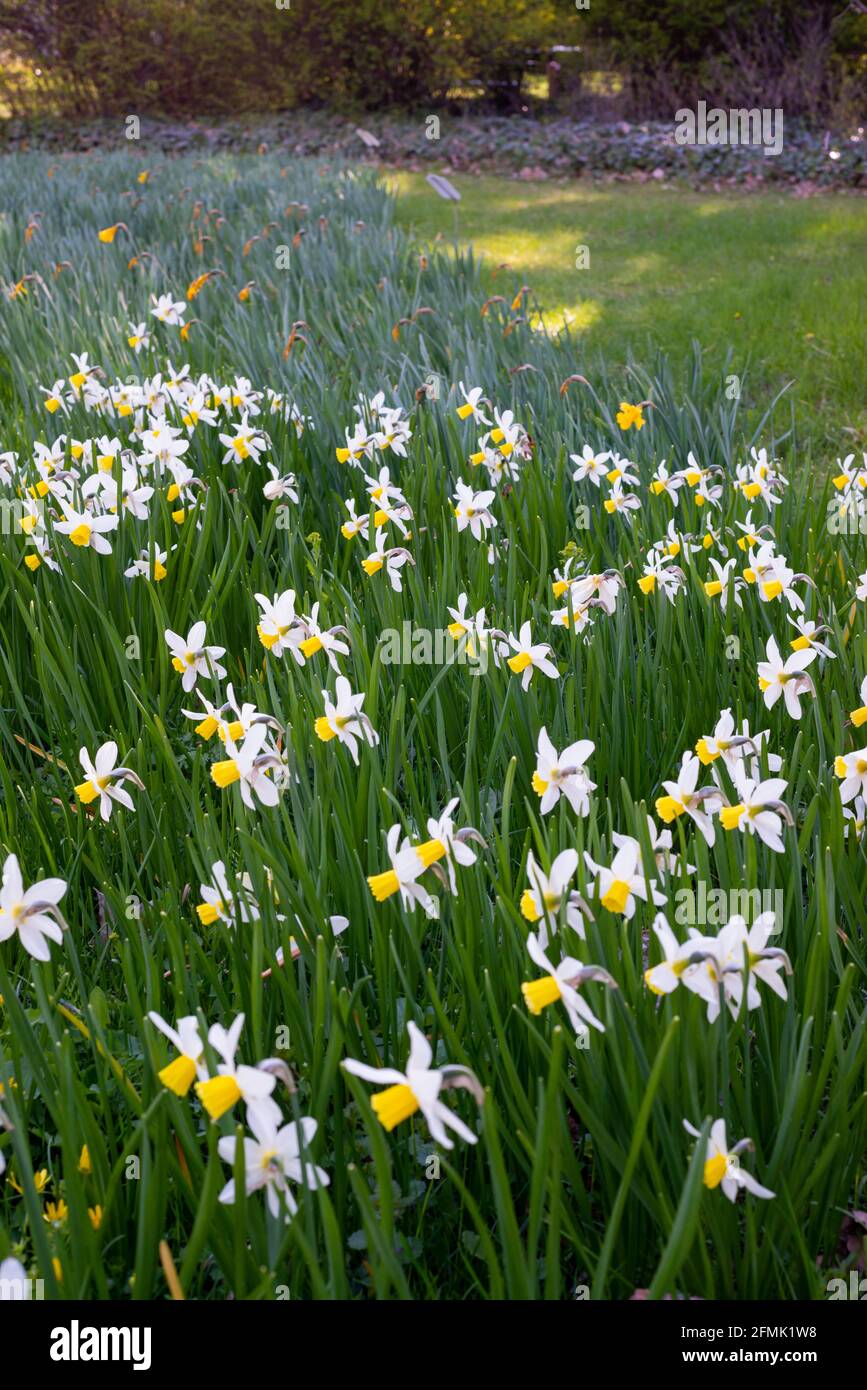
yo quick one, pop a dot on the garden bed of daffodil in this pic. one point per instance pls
(425, 757)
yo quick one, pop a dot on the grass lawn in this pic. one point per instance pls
(782, 281)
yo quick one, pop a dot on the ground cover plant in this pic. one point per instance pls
(428, 756)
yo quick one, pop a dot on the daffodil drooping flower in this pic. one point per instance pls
(563, 982)
(682, 798)
(234, 1082)
(528, 657)
(180, 1074)
(273, 1158)
(807, 638)
(786, 678)
(105, 780)
(32, 912)
(191, 658)
(547, 893)
(620, 885)
(344, 719)
(419, 1088)
(563, 774)
(722, 1166)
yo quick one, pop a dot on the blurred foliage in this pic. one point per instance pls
(180, 56)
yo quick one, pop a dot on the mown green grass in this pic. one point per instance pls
(780, 280)
(582, 1173)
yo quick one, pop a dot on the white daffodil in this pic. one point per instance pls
(759, 809)
(391, 560)
(620, 501)
(807, 638)
(323, 639)
(138, 337)
(665, 483)
(722, 1166)
(234, 1082)
(448, 844)
(419, 1088)
(244, 443)
(148, 566)
(406, 867)
(356, 525)
(472, 509)
(563, 982)
(252, 766)
(273, 1159)
(528, 657)
(163, 445)
(681, 797)
(724, 742)
(168, 310)
(725, 583)
(786, 678)
(589, 464)
(192, 658)
(742, 953)
(682, 963)
(219, 903)
(280, 629)
(471, 405)
(104, 780)
(344, 719)
(852, 770)
(285, 485)
(180, 1074)
(563, 774)
(620, 885)
(661, 572)
(547, 893)
(85, 530)
(32, 912)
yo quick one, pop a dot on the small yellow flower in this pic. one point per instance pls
(629, 415)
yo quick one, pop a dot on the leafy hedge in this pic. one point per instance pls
(500, 144)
